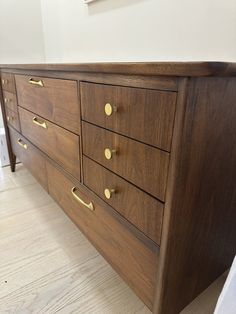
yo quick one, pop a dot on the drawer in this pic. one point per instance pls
(8, 82)
(142, 210)
(130, 257)
(58, 143)
(29, 156)
(143, 114)
(142, 165)
(12, 118)
(56, 100)
(10, 100)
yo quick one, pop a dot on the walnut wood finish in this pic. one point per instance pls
(134, 261)
(12, 118)
(162, 83)
(30, 157)
(8, 82)
(201, 200)
(56, 101)
(185, 69)
(133, 111)
(195, 180)
(136, 162)
(12, 157)
(10, 100)
(58, 143)
(142, 210)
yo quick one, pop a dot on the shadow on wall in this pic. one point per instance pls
(100, 6)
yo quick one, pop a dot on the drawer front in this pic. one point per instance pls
(58, 143)
(133, 260)
(10, 100)
(141, 164)
(142, 210)
(143, 114)
(29, 156)
(56, 100)
(12, 118)
(8, 82)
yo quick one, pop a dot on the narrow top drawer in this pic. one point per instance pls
(8, 82)
(143, 114)
(53, 99)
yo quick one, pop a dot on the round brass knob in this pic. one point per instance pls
(109, 109)
(109, 153)
(8, 118)
(108, 193)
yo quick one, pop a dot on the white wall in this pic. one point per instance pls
(117, 30)
(139, 30)
(21, 32)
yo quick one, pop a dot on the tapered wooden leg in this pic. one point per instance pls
(13, 163)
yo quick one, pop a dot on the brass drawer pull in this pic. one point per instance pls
(4, 82)
(89, 206)
(109, 153)
(35, 82)
(42, 124)
(109, 109)
(7, 100)
(108, 193)
(22, 144)
(10, 118)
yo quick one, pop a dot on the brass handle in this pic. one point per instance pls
(89, 206)
(35, 82)
(108, 193)
(42, 124)
(109, 153)
(8, 118)
(109, 109)
(4, 81)
(6, 100)
(22, 144)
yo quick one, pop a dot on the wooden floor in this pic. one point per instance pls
(48, 266)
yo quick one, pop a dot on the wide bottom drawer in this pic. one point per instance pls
(130, 257)
(29, 156)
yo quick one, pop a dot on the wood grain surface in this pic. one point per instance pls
(133, 260)
(142, 165)
(8, 82)
(57, 101)
(60, 144)
(13, 119)
(10, 100)
(144, 211)
(201, 194)
(143, 68)
(12, 157)
(30, 157)
(133, 112)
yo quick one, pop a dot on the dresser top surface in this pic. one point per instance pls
(137, 68)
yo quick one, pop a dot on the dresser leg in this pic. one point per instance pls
(13, 163)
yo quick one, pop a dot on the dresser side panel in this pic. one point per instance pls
(199, 237)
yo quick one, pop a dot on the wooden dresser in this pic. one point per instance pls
(142, 157)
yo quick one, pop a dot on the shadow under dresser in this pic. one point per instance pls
(142, 158)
